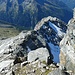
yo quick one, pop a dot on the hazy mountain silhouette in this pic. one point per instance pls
(27, 13)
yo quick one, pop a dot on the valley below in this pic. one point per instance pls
(7, 30)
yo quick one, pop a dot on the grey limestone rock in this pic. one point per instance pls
(68, 47)
(40, 53)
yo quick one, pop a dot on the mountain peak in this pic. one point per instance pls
(46, 19)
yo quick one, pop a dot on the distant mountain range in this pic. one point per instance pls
(69, 3)
(26, 13)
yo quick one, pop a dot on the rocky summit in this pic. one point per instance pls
(34, 52)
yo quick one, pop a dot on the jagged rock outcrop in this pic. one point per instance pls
(68, 47)
(51, 19)
(40, 43)
(8, 51)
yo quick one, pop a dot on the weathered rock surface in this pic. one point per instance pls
(68, 47)
(41, 44)
(9, 49)
(41, 54)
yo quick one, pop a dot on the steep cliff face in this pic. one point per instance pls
(68, 48)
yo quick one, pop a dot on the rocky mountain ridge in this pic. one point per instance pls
(32, 52)
(41, 50)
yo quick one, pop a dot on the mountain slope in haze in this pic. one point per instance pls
(7, 30)
(69, 3)
(27, 13)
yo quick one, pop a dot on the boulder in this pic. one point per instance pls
(40, 53)
(4, 65)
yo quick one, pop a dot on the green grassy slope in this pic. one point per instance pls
(7, 30)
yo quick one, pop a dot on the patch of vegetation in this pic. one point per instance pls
(47, 71)
(28, 69)
(44, 62)
(8, 32)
